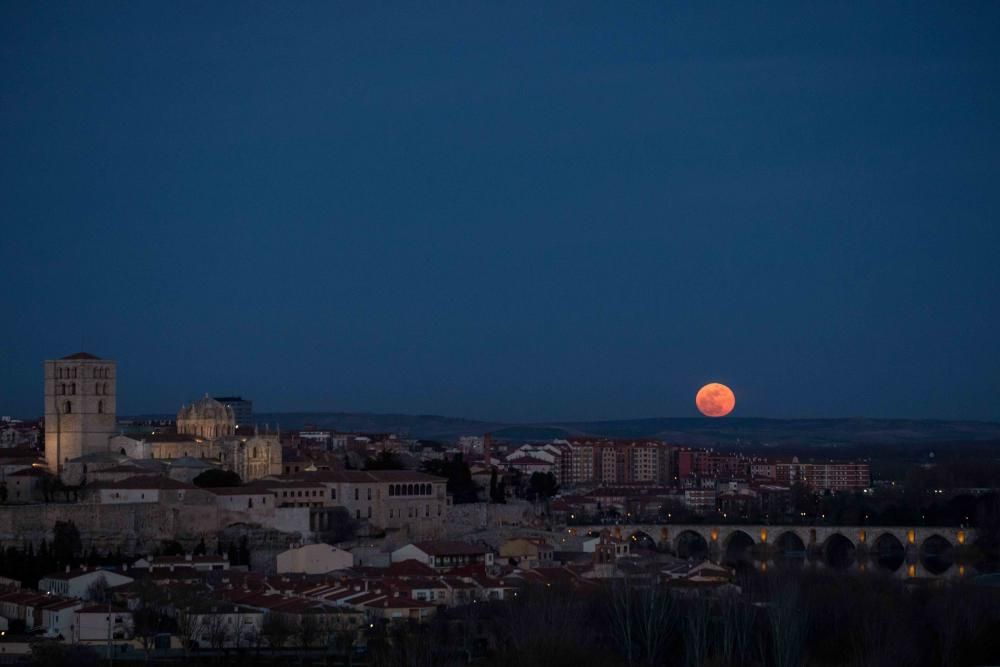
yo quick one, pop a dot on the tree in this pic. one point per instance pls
(277, 629)
(385, 459)
(66, 544)
(149, 603)
(244, 553)
(216, 478)
(456, 471)
(342, 527)
(98, 590)
(309, 630)
(200, 549)
(542, 486)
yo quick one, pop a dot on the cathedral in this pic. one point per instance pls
(207, 431)
(80, 426)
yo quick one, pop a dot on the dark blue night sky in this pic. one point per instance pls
(507, 212)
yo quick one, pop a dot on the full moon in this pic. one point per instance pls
(715, 400)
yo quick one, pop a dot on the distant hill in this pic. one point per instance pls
(694, 431)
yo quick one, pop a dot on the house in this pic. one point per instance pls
(314, 559)
(619, 546)
(444, 554)
(527, 552)
(99, 622)
(77, 583)
(222, 626)
(141, 489)
(25, 485)
(202, 563)
(59, 617)
(704, 572)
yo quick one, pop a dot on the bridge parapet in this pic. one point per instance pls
(912, 538)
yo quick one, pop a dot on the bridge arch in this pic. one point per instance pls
(640, 538)
(790, 544)
(888, 551)
(690, 544)
(838, 550)
(738, 545)
(935, 553)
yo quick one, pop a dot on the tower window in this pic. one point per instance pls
(104, 389)
(72, 388)
(100, 407)
(67, 407)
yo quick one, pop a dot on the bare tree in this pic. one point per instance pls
(98, 590)
(735, 629)
(623, 617)
(215, 628)
(277, 629)
(787, 620)
(309, 631)
(697, 617)
(657, 608)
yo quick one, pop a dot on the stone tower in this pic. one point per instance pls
(80, 407)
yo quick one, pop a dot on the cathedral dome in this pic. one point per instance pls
(207, 418)
(206, 408)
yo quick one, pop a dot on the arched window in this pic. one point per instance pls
(392, 490)
(72, 388)
(104, 390)
(100, 407)
(62, 389)
(255, 452)
(58, 373)
(67, 407)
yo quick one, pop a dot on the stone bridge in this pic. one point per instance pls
(718, 538)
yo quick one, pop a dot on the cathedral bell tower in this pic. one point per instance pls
(80, 407)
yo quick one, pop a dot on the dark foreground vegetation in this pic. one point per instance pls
(781, 619)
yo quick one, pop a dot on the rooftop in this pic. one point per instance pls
(82, 356)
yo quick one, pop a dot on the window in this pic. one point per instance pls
(67, 407)
(355, 494)
(104, 389)
(369, 511)
(100, 407)
(369, 493)
(333, 494)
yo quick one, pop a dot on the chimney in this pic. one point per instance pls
(187, 556)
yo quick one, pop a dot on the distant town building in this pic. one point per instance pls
(80, 407)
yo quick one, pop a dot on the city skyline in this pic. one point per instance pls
(521, 214)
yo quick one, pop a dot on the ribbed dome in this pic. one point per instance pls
(206, 408)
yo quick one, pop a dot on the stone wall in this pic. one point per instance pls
(135, 528)
(476, 517)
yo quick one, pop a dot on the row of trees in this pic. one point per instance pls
(784, 620)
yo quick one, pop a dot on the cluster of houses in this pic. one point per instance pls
(216, 605)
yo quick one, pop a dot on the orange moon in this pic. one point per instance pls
(715, 400)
